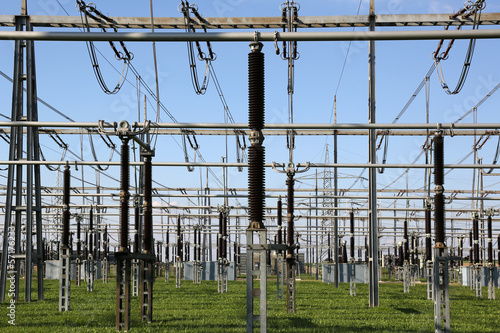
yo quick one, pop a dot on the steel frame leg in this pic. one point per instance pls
(78, 272)
(135, 277)
(290, 283)
(491, 282)
(441, 292)
(260, 250)
(123, 292)
(147, 280)
(280, 275)
(352, 278)
(406, 277)
(90, 275)
(178, 273)
(167, 272)
(105, 270)
(429, 271)
(64, 279)
(477, 281)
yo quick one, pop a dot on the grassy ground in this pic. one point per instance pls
(199, 308)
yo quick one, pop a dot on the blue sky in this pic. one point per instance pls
(66, 81)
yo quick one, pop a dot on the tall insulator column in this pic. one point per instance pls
(219, 236)
(66, 212)
(124, 195)
(290, 214)
(428, 238)
(280, 222)
(256, 152)
(439, 224)
(179, 240)
(91, 233)
(147, 240)
(471, 248)
(405, 241)
(475, 233)
(490, 240)
(351, 217)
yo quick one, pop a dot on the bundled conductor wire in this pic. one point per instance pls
(89, 11)
(469, 9)
(185, 8)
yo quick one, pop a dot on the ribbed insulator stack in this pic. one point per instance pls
(256, 88)
(290, 204)
(256, 152)
(439, 189)
(490, 240)
(475, 233)
(405, 240)
(124, 195)
(179, 240)
(351, 219)
(91, 233)
(428, 238)
(66, 212)
(148, 206)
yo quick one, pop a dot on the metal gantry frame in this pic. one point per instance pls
(29, 123)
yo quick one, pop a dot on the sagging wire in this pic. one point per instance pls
(108, 143)
(191, 138)
(63, 145)
(185, 8)
(385, 138)
(470, 9)
(240, 148)
(90, 11)
(497, 154)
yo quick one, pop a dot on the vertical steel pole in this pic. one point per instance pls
(372, 189)
(335, 203)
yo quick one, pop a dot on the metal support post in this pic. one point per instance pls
(372, 188)
(406, 277)
(65, 279)
(441, 291)
(477, 280)
(491, 281)
(352, 277)
(105, 269)
(256, 251)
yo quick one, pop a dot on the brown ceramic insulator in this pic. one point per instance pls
(256, 90)
(256, 181)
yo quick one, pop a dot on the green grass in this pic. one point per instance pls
(199, 308)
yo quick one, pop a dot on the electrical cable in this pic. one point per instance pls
(86, 11)
(473, 9)
(185, 8)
